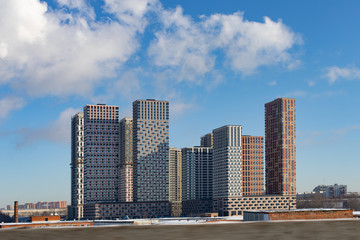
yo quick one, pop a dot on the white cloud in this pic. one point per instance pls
(67, 51)
(189, 46)
(132, 12)
(294, 94)
(57, 131)
(327, 136)
(311, 83)
(127, 86)
(334, 73)
(56, 52)
(183, 45)
(8, 104)
(80, 5)
(273, 83)
(328, 94)
(178, 108)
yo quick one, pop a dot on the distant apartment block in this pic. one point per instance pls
(126, 162)
(253, 165)
(227, 162)
(197, 173)
(150, 150)
(331, 191)
(175, 171)
(101, 153)
(77, 166)
(280, 150)
(40, 205)
(207, 140)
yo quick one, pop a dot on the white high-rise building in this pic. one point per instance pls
(227, 161)
(77, 166)
(150, 150)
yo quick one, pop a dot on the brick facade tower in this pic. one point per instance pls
(280, 150)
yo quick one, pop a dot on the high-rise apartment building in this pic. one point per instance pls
(252, 165)
(77, 166)
(227, 161)
(126, 162)
(207, 140)
(175, 174)
(280, 150)
(150, 150)
(101, 153)
(197, 173)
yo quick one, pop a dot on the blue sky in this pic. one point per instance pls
(217, 62)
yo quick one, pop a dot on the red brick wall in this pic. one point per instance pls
(332, 214)
(42, 218)
(57, 224)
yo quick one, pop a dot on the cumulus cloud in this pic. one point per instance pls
(132, 12)
(334, 73)
(58, 52)
(57, 131)
(190, 46)
(69, 51)
(8, 104)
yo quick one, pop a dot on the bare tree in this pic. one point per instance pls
(353, 201)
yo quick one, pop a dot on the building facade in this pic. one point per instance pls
(127, 209)
(126, 162)
(280, 150)
(227, 162)
(253, 165)
(232, 206)
(150, 150)
(101, 153)
(197, 173)
(175, 185)
(77, 166)
(207, 140)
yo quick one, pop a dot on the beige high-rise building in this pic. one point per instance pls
(126, 162)
(150, 150)
(77, 166)
(175, 174)
(280, 149)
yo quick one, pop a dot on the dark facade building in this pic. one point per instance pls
(197, 173)
(101, 153)
(280, 150)
(207, 140)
